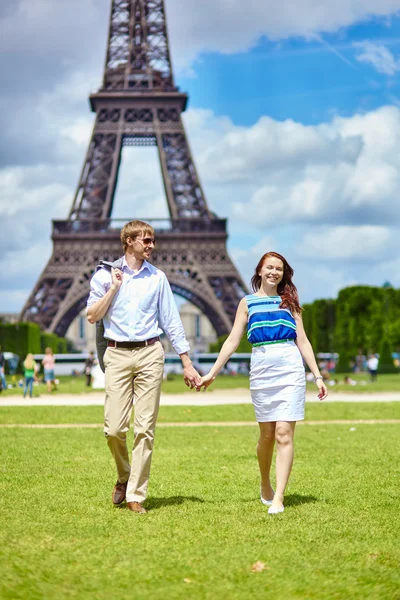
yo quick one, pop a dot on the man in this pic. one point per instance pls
(136, 304)
(89, 364)
(372, 365)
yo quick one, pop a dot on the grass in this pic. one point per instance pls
(338, 538)
(239, 412)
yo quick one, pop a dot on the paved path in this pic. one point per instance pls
(199, 424)
(217, 397)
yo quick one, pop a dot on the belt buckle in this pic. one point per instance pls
(146, 343)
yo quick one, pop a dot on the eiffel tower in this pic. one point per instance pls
(138, 104)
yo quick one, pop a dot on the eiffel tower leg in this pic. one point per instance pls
(96, 188)
(63, 287)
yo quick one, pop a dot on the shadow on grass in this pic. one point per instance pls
(298, 499)
(292, 499)
(154, 503)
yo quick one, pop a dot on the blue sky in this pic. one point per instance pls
(308, 81)
(293, 119)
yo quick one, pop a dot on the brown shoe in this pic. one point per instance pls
(119, 493)
(136, 507)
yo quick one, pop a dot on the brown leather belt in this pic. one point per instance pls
(130, 345)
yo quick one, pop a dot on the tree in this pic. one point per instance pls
(386, 364)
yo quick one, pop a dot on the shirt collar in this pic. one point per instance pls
(145, 265)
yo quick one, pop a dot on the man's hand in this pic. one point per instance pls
(116, 278)
(99, 309)
(191, 377)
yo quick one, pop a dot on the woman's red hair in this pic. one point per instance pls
(286, 288)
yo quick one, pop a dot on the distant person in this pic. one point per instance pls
(349, 381)
(3, 383)
(89, 364)
(30, 370)
(48, 363)
(272, 317)
(372, 366)
(331, 366)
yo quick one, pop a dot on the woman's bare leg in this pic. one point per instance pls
(284, 433)
(265, 449)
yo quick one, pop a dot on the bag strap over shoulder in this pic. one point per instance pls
(105, 264)
(101, 342)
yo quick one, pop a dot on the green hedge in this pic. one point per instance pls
(22, 338)
(51, 340)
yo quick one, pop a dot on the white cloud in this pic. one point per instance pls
(70, 34)
(346, 170)
(24, 190)
(378, 56)
(346, 243)
(319, 280)
(228, 27)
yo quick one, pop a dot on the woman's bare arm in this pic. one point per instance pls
(307, 353)
(230, 344)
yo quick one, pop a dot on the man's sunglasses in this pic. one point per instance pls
(147, 241)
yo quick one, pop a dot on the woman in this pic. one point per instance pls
(48, 366)
(30, 368)
(272, 316)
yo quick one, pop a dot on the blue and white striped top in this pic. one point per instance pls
(267, 322)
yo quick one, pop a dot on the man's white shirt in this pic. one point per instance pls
(143, 307)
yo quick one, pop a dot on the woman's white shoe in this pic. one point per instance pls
(266, 502)
(273, 510)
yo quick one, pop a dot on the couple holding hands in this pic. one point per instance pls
(136, 304)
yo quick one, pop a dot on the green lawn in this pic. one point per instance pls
(239, 412)
(175, 385)
(338, 538)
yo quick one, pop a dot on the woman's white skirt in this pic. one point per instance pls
(277, 382)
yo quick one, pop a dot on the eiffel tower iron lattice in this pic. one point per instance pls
(138, 104)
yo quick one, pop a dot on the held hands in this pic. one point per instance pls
(205, 381)
(323, 390)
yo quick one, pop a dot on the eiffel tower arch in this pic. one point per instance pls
(138, 104)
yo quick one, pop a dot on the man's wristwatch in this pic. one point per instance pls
(318, 377)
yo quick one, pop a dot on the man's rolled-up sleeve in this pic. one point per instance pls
(169, 318)
(98, 287)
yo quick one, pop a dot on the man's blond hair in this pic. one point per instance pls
(135, 229)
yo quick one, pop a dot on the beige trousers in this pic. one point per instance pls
(133, 377)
